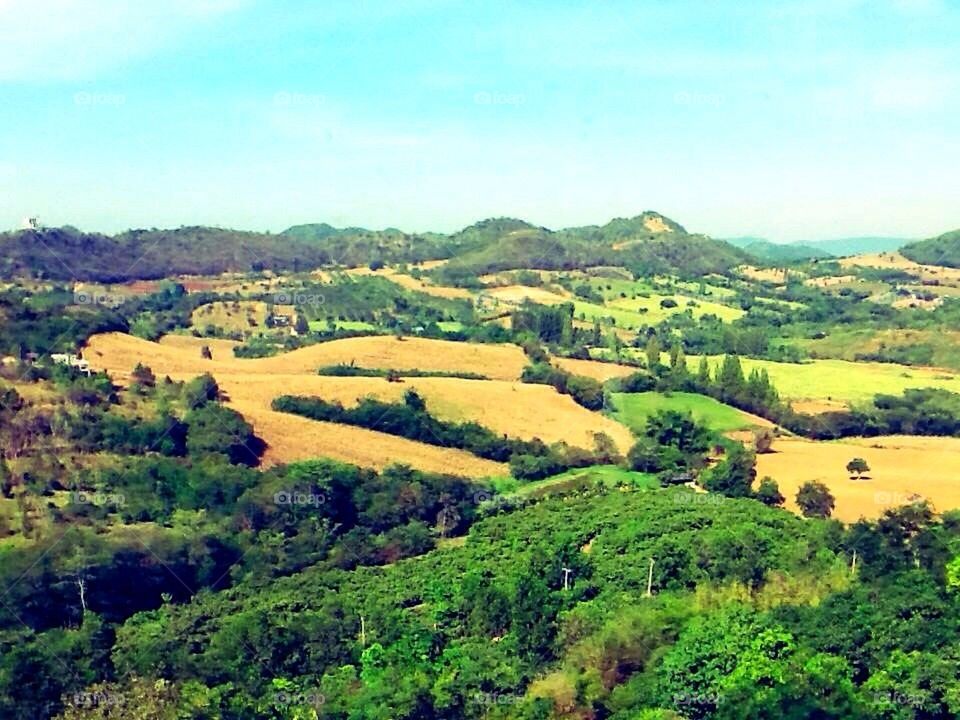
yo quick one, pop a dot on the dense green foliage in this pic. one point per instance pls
(941, 250)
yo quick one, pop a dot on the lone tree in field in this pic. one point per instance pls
(763, 440)
(815, 500)
(858, 466)
(769, 492)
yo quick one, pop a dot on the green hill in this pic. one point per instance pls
(648, 243)
(941, 250)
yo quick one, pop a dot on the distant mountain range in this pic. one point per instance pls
(648, 242)
(768, 251)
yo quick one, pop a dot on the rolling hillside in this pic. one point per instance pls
(941, 250)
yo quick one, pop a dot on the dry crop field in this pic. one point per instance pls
(503, 404)
(902, 469)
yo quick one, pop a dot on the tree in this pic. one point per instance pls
(769, 492)
(858, 466)
(413, 400)
(653, 350)
(762, 441)
(703, 372)
(201, 390)
(730, 378)
(301, 325)
(733, 476)
(815, 500)
(143, 377)
(205, 353)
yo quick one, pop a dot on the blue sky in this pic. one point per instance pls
(789, 120)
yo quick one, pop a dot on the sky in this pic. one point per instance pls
(787, 120)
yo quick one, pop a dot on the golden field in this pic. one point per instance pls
(896, 261)
(516, 294)
(600, 371)
(119, 352)
(503, 404)
(902, 469)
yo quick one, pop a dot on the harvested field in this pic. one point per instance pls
(504, 405)
(291, 438)
(498, 362)
(601, 371)
(902, 468)
(511, 408)
(516, 294)
(896, 261)
(219, 347)
(817, 407)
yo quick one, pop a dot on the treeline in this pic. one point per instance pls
(923, 411)
(150, 254)
(351, 370)
(529, 459)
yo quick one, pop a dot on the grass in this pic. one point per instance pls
(840, 379)
(633, 409)
(620, 317)
(699, 307)
(611, 476)
(845, 343)
(321, 325)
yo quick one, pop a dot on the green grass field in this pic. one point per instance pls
(699, 307)
(610, 475)
(633, 409)
(842, 380)
(321, 325)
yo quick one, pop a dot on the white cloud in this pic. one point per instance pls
(43, 40)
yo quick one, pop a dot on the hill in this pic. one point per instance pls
(767, 251)
(648, 243)
(69, 254)
(842, 247)
(941, 250)
(771, 252)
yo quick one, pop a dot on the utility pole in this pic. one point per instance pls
(363, 632)
(82, 584)
(566, 578)
(649, 592)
